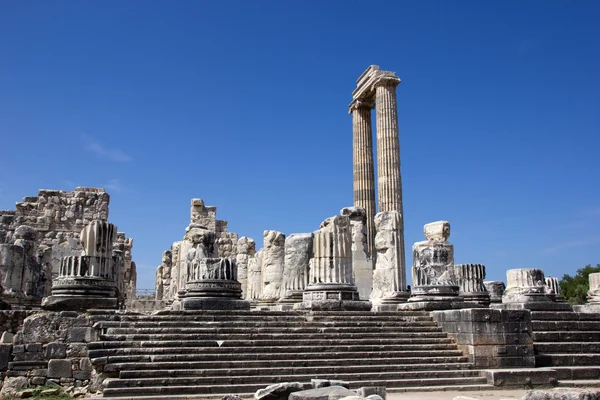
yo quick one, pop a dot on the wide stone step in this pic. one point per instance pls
(566, 347)
(268, 326)
(204, 335)
(295, 368)
(269, 342)
(214, 390)
(188, 350)
(264, 324)
(249, 318)
(205, 357)
(255, 378)
(567, 326)
(549, 360)
(442, 339)
(563, 316)
(242, 380)
(563, 336)
(412, 389)
(318, 359)
(398, 363)
(576, 373)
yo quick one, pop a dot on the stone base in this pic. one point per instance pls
(434, 291)
(78, 303)
(334, 305)
(474, 301)
(292, 296)
(395, 298)
(214, 303)
(451, 303)
(533, 306)
(588, 308)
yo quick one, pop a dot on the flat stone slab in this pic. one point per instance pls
(214, 303)
(522, 377)
(336, 305)
(324, 393)
(563, 394)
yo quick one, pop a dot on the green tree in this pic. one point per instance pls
(575, 288)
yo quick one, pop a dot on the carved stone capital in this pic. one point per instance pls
(360, 103)
(386, 80)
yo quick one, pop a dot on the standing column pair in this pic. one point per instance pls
(379, 86)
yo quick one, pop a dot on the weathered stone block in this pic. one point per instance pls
(325, 393)
(33, 347)
(372, 390)
(56, 350)
(38, 380)
(82, 334)
(4, 356)
(77, 350)
(82, 375)
(59, 368)
(279, 391)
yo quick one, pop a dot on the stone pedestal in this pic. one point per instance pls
(362, 258)
(331, 285)
(298, 252)
(496, 290)
(470, 279)
(389, 277)
(526, 289)
(434, 284)
(89, 280)
(212, 285)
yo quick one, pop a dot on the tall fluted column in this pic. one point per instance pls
(388, 146)
(364, 171)
(389, 181)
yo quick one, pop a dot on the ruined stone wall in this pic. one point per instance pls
(58, 217)
(51, 347)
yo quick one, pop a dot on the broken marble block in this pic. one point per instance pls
(526, 289)
(89, 280)
(362, 260)
(272, 263)
(470, 279)
(298, 252)
(434, 283)
(496, 290)
(389, 276)
(331, 280)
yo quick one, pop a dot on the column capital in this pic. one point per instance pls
(360, 103)
(386, 80)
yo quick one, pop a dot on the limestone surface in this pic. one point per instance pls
(298, 252)
(389, 277)
(272, 262)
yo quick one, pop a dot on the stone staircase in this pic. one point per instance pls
(568, 342)
(213, 353)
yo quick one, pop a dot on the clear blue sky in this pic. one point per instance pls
(244, 104)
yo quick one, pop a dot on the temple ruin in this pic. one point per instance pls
(231, 315)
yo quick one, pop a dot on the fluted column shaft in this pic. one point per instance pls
(389, 181)
(364, 171)
(388, 147)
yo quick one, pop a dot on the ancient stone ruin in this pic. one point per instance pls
(42, 231)
(329, 310)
